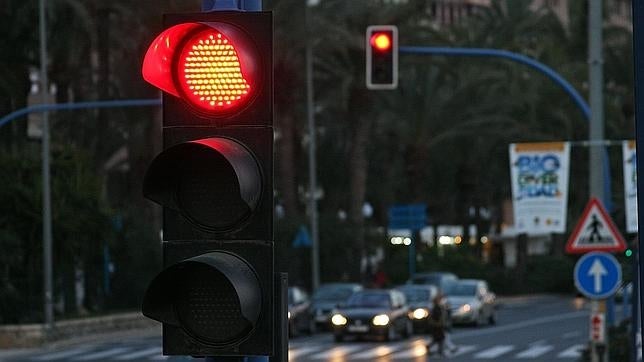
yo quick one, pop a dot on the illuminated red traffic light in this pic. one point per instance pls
(210, 72)
(381, 45)
(381, 41)
(214, 179)
(211, 66)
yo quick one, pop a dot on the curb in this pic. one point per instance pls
(29, 336)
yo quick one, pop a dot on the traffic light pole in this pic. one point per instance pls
(638, 62)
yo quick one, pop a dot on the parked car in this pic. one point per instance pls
(437, 279)
(373, 312)
(327, 297)
(471, 301)
(420, 301)
(299, 315)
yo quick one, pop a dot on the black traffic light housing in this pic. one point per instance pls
(381, 45)
(214, 179)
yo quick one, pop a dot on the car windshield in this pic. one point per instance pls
(459, 289)
(425, 279)
(333, 294)
(368, 300)
(416, 295)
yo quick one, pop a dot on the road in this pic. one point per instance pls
(547, 328)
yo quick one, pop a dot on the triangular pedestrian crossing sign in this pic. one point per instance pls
(595, 231)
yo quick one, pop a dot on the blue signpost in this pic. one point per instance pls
(597, 275)
(412, 217)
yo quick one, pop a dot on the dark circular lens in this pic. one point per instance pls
(208, 192)
(208, 306)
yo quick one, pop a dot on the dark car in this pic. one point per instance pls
(327, 297)
(299, 316)
(438, 279)
(373, 312)
(420, 299)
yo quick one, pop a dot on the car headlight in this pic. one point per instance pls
(289, 315)
(380, 320)
(338, 320)
(466, 308)
(420, 313)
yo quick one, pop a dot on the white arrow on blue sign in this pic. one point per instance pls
(597, 275)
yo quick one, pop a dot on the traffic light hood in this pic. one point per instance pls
(215, 183)
(214, 67)
(213, 297)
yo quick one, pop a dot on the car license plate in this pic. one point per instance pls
(321, 318)
(355, 328)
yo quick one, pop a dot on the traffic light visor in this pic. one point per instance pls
(215, 183)
(212, 66)
(214, 298)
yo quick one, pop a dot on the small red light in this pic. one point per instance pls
(210, 72)
(381, 41)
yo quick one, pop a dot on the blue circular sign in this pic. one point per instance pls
(597, 275)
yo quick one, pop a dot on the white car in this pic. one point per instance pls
(471, 302)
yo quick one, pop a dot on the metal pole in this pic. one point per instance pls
(595, 77)
(638, 63)
(46, 193)
(313, 208)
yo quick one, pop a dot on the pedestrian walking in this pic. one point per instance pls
(438, 318)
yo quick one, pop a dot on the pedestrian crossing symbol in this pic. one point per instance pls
(595, 231)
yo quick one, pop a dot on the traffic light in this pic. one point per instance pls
(214, 179)
(382, 57)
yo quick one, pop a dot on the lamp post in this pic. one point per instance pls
(313, 207)
(46, 192)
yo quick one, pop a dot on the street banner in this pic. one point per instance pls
(539, 173)
(630, 185)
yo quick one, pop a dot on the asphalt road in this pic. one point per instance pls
(547, 328)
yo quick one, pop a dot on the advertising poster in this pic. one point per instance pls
(630, 185)
(539, 175)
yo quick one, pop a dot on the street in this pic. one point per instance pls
(544, 328)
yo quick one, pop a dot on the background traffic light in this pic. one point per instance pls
(214, 179)
(382, 57)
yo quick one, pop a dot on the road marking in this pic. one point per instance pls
(62, 354)
(377, 352)
(493, 352)
(535, 351)
(293, 353)
(462, 350)
(102, 354)
(537, 343)
(572, 334)
(139, 354)
(159, 358)
(417, 348)
(336, 352)
(524, 324)
(572, 352)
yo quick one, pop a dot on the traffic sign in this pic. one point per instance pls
(597, 275)
(595, 231)
(597, 328)
(302, 238)
(412, 216)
